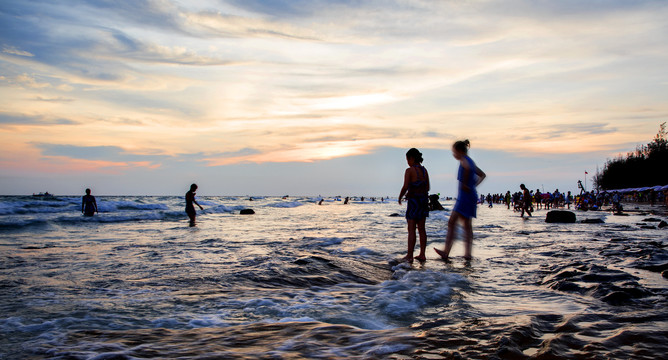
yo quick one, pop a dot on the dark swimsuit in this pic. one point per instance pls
(190, 208)
(89, 208)
(418, 197)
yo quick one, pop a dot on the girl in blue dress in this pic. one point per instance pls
(469, 176)
(416, 189)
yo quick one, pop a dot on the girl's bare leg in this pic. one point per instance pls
(423, 240)
(468, 238)
(411, 240)
(450, 237)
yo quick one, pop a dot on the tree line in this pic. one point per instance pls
(646, 166)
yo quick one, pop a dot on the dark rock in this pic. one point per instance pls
(617, 298)
(592, 221)
(652, 220)
(434, 204)
(395, 215)
(663, 224)
(620, 214)
(247, 212)
(560, 216)
(665, 274)
(648, 227)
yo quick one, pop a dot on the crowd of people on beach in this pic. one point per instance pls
(586, 200)
(415, 191)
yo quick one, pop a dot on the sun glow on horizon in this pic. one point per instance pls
(151, 86)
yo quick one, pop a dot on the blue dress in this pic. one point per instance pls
(467, 202)
(418, 197)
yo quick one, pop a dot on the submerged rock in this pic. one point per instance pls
(652, 220)
(394, 215)
(560, 216)
(247, 212)
(662, 224)
(592, 221)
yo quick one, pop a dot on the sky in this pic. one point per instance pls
(250, 97)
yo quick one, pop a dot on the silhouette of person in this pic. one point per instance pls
(416, 189)
(88, 204)
(526, 200)
(190, 208)
(469, 176)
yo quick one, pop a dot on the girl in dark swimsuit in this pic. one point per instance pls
(190, 208)
(416, 189)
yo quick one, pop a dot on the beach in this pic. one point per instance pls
(299, 280)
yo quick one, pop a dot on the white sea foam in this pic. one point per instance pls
(288, 204)
(322, 242)
(412, 291)
(364, 251)
(208, 321)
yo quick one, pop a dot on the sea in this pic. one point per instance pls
(298, 280)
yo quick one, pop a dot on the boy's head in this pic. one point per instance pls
(193, 187)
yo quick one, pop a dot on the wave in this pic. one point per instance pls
(110, 206)
(218, 209)
(290, 204)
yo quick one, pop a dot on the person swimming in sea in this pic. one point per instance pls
(190, 200)
(416, 189)
(88, 204)
(469, 176)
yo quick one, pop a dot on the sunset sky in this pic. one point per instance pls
(250, 97)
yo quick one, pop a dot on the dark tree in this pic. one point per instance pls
(647, 166)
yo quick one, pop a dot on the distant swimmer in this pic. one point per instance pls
(416, 189)
(526, 200)
(345, 202)
(190, 200)
(469, 176)
(88, 204)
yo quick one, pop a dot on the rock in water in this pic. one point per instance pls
(560, 216)
(247, 212)
(662, 224)
(592, 221)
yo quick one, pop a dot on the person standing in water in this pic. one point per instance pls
(469, 176)
(526, 200)
(190, 200)
(416, 189)
(88, 204)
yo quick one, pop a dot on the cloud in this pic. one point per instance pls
(14, 51)
(98, 153)
(59, 99)
(216, 82)
(22, 119)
